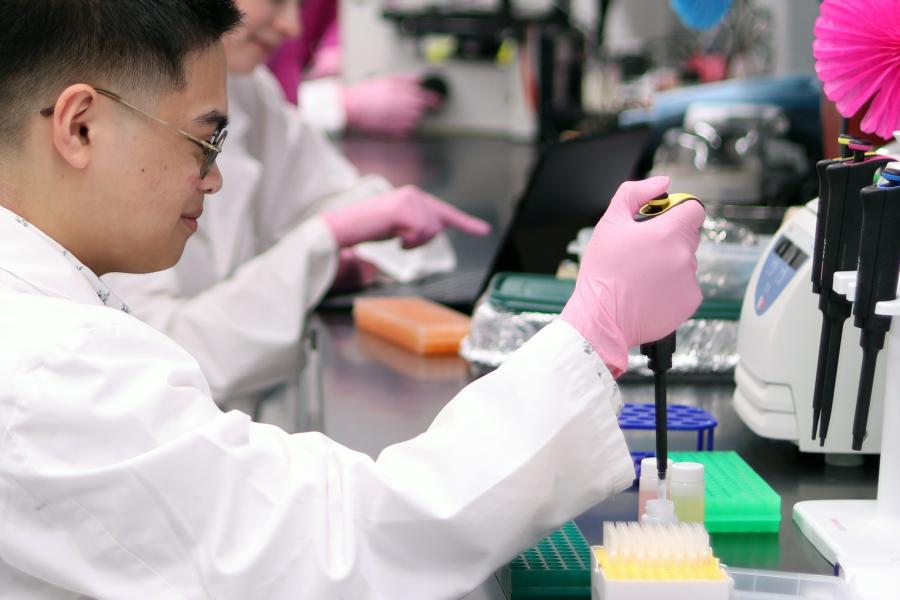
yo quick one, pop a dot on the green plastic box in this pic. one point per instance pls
(559, 566)
(530, 292)
(738, 500)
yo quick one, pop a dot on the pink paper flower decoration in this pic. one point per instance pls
(857, 50)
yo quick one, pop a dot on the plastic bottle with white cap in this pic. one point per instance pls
(687, 489)
(648, 484)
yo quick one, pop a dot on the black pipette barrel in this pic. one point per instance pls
(662, 424)
(840, 251)
(877, 276)
(864, 396)
(835, 336)
(659, 360)
(819, 239)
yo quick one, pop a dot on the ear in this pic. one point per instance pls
(74, 116)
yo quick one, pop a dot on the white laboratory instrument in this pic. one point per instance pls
(778, 339)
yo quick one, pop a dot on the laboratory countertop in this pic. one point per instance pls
(377, 394)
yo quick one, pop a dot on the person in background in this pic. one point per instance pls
(391, 105)
(119, 475)
(281, 235)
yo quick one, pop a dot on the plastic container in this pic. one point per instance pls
(659, 512)
(737, 499)
(417, 324)
(648, 484)
(753, 584)
(687, 491)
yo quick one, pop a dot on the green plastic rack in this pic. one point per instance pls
(531, 292)
(559, 566)
(738, 500)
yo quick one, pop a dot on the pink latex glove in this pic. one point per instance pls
(326, 63)
(353, 272)
(409, 213)
(638, 281)
(393, 105)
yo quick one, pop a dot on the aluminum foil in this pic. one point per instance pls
(703, 346)
(495, 334)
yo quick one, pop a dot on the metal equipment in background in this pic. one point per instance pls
(486, 33)
(734, 153)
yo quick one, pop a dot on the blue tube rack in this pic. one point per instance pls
(680, 417)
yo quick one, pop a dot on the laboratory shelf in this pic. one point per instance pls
(559, 566)
(738, 500)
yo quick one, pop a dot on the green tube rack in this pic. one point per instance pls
(559, 566)
(737, 499)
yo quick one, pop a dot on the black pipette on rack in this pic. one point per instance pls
(819, 239)
(840, 252)
(659, 359)
(877, 275)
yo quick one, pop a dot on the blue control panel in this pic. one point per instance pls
(781, 265)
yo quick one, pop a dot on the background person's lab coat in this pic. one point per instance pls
(120, 478)
(261, 259)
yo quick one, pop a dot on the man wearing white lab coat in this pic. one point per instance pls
(262, 258)
(119, 475)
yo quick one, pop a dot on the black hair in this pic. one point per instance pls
(46, 45)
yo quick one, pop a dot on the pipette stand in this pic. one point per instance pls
(861, 538)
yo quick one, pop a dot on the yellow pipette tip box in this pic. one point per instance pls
(416, 324)
(643, 579)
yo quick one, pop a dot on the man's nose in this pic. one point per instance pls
(213, 181)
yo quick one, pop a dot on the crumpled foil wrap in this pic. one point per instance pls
(702, 346)
(495, 333)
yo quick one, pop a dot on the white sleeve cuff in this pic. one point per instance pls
(322, 105)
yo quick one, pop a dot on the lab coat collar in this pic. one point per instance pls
(35, 258)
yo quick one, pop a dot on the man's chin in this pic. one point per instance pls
(154, 265)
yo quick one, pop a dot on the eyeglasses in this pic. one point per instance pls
(211, 149)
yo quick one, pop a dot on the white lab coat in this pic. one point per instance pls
(261, 259)
(121, 478)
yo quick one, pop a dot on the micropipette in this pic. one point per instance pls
(840, 252)
(659, 353)
(877, 275)
(659, 360)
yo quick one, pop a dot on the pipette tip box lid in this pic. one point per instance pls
(416, 324)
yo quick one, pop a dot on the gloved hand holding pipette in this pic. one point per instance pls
(620, 302)
(409, 213)
(393, 105)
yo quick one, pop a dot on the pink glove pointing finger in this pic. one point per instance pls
(409, 213)
(638, 280)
